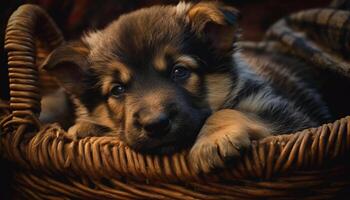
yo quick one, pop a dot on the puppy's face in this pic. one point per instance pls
(156, 73)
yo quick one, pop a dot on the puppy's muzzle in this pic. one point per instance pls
(155, 123)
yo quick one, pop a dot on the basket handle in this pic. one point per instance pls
(26, 24)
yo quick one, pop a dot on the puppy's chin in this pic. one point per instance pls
(174, 141)
(182, 134)
(180, 137)
(165, 147)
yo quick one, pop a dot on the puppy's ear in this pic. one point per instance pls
(215, 23)
(69, 65)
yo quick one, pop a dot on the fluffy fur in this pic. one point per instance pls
(167, 77)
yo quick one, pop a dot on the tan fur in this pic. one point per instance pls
(182, 8)
(80, 110)
(81, 49)
(219, 86)
(188, 61)
(193, 84)
(128, 110)
(88, 125)
(84, 128)
(223, 135)
(156, 98)
(108, 78)
(106, 85)
(124, 71)
(100, 114)
(159, 63)
(202, 13)
(208, 20)
(116, 108)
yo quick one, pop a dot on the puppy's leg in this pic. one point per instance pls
(84, 128)
(223, 135)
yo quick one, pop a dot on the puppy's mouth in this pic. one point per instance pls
(182, 135)
(164, 145)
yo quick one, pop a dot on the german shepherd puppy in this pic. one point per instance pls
(167, 77)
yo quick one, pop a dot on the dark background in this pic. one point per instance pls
(73, 17)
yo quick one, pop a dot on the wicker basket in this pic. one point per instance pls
(313, 163)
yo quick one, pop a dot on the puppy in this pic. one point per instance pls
(167, 77)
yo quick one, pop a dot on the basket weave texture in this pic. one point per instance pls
(313, 163)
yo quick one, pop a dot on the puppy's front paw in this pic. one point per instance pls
(84, 129)
(212, 151)
(222, 137)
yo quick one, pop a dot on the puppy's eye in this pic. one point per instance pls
(180, 72)
(117, 90)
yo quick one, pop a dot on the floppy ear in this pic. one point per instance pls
(215, 23)
(69, 65)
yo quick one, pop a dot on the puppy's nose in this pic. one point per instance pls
(157, 126)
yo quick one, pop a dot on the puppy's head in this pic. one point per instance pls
(159, 72)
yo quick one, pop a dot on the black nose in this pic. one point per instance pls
(158, 126)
